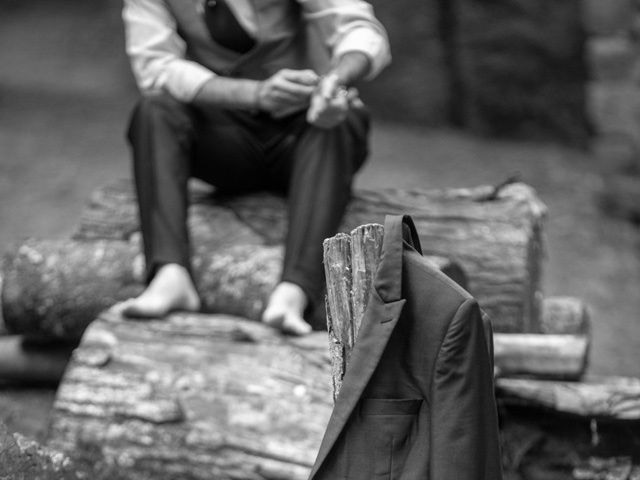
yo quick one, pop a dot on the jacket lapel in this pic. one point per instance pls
(379, 321)
(380, 318)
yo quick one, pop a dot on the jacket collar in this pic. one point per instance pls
(380, 318)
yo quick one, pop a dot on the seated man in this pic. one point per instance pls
(232, 95)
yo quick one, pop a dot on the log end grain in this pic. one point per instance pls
(541, 356)
(565, 315)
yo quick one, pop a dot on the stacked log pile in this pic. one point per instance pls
(214, 396)
(221, 396)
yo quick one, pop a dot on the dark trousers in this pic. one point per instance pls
(239, 151)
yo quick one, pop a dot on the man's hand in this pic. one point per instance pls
(286, 92)
(329, 103)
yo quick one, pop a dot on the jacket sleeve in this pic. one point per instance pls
(464, 439)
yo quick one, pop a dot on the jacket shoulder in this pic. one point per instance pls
(424, 277)
(433, 300)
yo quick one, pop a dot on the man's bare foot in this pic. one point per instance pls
(285, 309)
(171, 289)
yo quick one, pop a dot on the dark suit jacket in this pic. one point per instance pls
(417, 401)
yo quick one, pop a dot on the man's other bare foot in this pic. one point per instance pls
(171, 289)
(285, 309)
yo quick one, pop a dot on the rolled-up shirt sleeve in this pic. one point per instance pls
(349, 26)
(157, 52)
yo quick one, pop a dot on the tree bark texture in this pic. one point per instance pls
(194, 396)
(350, 263)
(53, 289)
(495, 235)
(606, 397)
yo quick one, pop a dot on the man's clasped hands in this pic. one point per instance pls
(289, 91)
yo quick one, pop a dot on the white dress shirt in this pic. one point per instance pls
(158, 53)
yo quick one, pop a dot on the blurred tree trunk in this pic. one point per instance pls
(523, 68)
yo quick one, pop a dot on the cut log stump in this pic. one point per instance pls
(495, 235)
(194, 396)
(565, 315)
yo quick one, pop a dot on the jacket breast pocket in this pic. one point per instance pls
(380, 437)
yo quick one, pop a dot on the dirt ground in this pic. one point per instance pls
(65, 94)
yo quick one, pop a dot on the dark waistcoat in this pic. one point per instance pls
(281, 40)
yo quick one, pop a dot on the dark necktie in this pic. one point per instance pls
(224, 27)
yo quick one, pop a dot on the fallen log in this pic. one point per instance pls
(111, 214)
(540, 355)
(54, 289)
(494, 234)
(565, 315)
(193, 396)
(595, 397)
